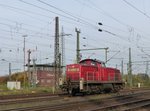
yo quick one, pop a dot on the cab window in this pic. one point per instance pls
(93, 63)
(103, 64)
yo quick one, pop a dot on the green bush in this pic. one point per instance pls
(145, 82)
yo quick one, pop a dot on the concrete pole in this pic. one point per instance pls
(34, 74)
(106, 54)
(24, 50)
(56, 50)
(29, 73)
(9, 71)
(78, 46)
(122, 67)
(130, 70)
(147, 68)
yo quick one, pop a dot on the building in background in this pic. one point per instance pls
(42, 75)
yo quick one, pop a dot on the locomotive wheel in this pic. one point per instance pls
(69, 91)
(115, 88)
(72, 92)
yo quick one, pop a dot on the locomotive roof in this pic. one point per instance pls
(95, 60)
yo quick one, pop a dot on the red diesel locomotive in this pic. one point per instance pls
(91, 76)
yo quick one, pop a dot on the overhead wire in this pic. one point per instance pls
(47, 10)
(73, 18)
(26, 29)
(109, 32)
(143, 13)
(28, 11)
(65, 12)
(28, 42)
(33, 35)
(20, 23)
(112, 34)
(32, 17)
(31, 13)
(107, 14)
(53, 36)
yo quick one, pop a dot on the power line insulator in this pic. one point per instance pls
(100, 23)
(100, 30)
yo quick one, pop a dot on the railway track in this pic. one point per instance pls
(21, 96)
(129, 105)
(122, 102)
(27, 100)
(14, 99)
(2, 97)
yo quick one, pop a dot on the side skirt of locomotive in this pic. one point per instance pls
(91, 87)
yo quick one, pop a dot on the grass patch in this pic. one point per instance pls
(5, 91)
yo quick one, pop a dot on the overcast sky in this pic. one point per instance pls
(126, 23)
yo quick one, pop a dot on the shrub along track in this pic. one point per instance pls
(93, 103)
